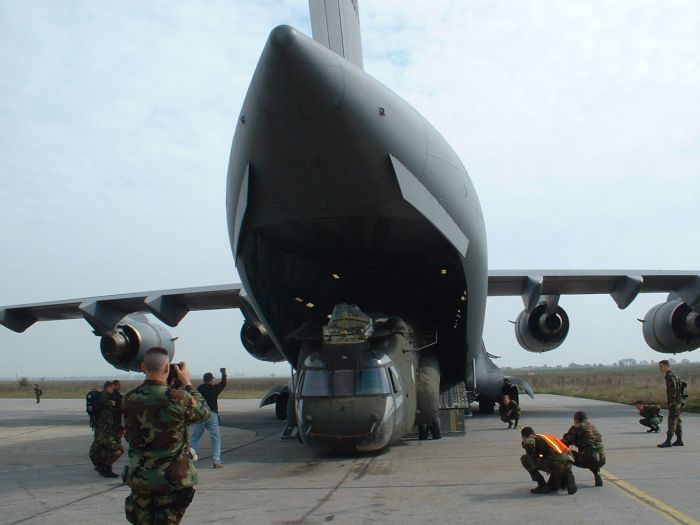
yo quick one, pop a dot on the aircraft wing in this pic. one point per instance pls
(170, 306)
(623, 286)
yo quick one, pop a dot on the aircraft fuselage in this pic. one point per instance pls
(339, 191)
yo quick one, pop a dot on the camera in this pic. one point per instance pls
(223, 371)
(173, 380)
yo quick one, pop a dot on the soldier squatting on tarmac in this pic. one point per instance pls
(586, 438)
(549, 454)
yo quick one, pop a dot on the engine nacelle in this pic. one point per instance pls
(258, 343)
(126, 345)
(538, 331)
(672, 327)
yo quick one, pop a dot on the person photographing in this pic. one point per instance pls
(210, 392)
(161, 474)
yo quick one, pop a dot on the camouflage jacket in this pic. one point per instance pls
(673, 388)
(512, 409)
(105, 419)
(584, 436)
(649, 411)
(156, 419)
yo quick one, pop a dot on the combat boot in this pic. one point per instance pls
(542, 487)
(515, 424)
(570, 483)
(667, 443)
(109, 473)
(678, 442)
(598, 479)
(510, 424)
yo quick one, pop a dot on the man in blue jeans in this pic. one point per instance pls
(210, 392)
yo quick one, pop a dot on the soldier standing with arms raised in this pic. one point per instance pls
(675, 406)
(161, 474)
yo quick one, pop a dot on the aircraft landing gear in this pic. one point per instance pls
(487, 406)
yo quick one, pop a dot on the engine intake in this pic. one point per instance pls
(539, 331)
(126, 345)
(258, 343)
(672, 327)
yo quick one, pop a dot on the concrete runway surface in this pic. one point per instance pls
(46, 476)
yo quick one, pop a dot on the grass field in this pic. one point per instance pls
(236, 388)
(618, 384)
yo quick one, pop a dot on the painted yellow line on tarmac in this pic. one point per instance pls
(650, 501)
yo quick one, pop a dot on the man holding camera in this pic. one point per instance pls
(210, 392)
(161, 473)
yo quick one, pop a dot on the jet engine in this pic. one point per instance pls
(672, 327)
(257, 342)
(126, 345)
(542, 329)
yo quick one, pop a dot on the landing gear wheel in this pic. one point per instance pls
(487, 406)
(281, 407)
(435, 429)
(422, 432)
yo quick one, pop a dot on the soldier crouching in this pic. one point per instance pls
(509, 411)
(161, 473)
(651, 416)
(547, 453)
(587, 439)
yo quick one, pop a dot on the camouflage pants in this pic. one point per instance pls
(590, 458)
(508, 419)
(651, 422)
(153, 509)
(556, 465)
(674, 420)
(105, 450)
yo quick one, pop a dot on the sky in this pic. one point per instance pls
(578, 122)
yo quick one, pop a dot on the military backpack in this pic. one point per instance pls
(684, 392)
(93, 405)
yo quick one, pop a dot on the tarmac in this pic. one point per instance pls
(46, 476)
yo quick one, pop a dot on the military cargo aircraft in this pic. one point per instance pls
(360, 243)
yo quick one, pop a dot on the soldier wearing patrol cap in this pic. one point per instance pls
(547, 453)
(587, 439)
(161, 473)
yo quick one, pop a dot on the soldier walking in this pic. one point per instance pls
(549, 454)
(651, 416)
(38, 392)
(587, 439)
(509, 410)
(674, 398)
(161, 473)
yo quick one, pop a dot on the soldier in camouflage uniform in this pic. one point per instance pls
(105, 419)
(161, 473)
(509, 411)
(588, 441)
(675, 406)
(651, 416)
(547, 453)
(106, 449)
(118, 399)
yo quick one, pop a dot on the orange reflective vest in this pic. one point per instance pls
(554, 443)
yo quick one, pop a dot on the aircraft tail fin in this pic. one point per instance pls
(336, 25)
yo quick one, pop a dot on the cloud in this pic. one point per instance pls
(577, 122)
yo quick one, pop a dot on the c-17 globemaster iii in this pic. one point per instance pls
(360, 242)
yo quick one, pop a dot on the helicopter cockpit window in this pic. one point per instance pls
(316, 383)
(343, 382)
(372, 381)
